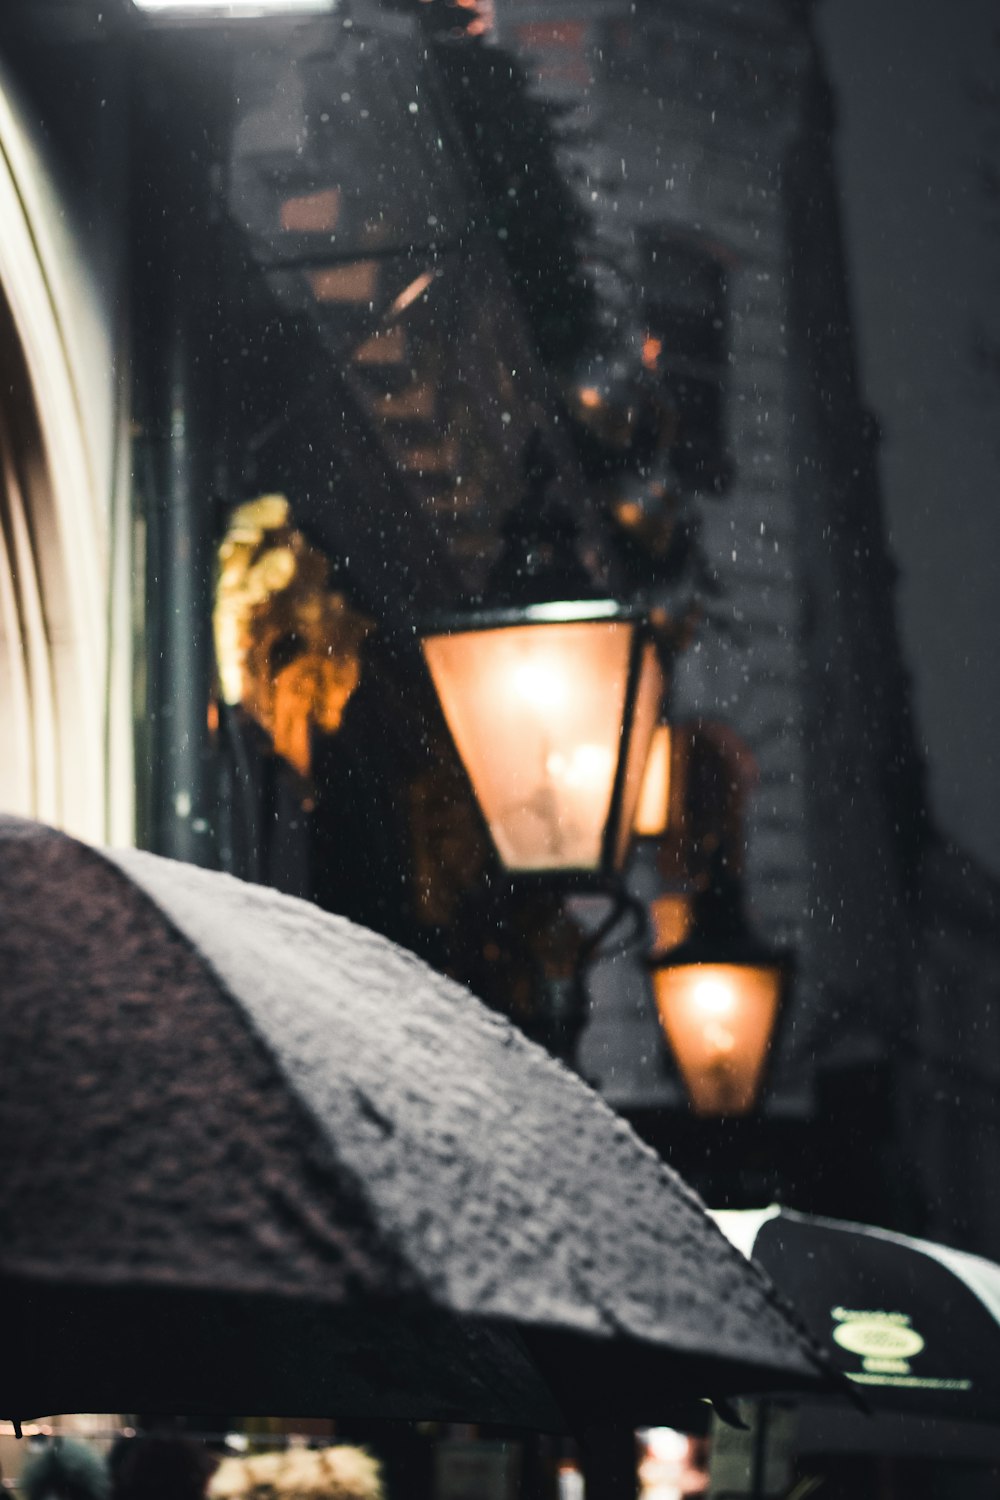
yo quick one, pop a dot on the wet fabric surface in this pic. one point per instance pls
(913, 1325)
(146, 1135)
(230, 1088)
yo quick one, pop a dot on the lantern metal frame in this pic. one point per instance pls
(599, 610)
(657, 835)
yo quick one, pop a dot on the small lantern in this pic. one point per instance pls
(551, 698)
(719, 994)
(652, 812)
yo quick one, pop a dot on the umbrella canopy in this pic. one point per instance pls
(913, 1325)
(256, 1158)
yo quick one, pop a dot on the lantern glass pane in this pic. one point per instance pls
(536, 714)
(652, 812)
(645, 713)
(670, 918)
(719, 1020)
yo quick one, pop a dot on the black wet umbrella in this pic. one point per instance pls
(252, 1155)
(915, 1326)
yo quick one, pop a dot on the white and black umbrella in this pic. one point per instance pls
(914, 1326)
(255, 1158)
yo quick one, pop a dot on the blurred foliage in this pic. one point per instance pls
(524, 203)
(287, 647)
(631, 438)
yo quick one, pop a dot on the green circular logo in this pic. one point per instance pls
(878, 1338)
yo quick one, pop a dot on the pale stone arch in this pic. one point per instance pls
(65, 712)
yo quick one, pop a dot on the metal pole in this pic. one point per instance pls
(176, 304)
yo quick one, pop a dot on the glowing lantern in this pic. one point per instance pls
(552, 713)
(718, 995)
(551, 700)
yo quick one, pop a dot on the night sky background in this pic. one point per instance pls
(925, 273)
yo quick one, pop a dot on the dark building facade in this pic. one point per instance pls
(706, 130)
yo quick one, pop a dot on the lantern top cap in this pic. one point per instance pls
(548, 612)
(720, 932)
(741, 949)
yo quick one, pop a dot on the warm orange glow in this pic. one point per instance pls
(719, 1020)
(536, 713)
(652, 813)
(272, 589)
(629, 512)
(589, 396)
(313, 213)
(311, 691)
(648, 702)
(354, 282)
(433, 458)
(410, 293)
(670, 917)
(385, 348)
(651, 350)
(419, 399)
